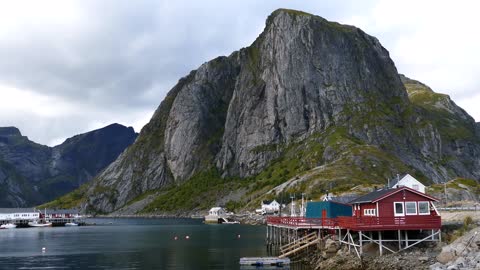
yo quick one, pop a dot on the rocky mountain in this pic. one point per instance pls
(310, 105)
(31, 173)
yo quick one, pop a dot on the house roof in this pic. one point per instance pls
(59, 211)
(16, 210)
(343, 199)
(395, 181)
(383, 193)
(371, 196)
(216, 208)
(400, 178)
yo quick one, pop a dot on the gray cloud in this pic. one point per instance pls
(115, 60)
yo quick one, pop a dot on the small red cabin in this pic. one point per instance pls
(393, 209)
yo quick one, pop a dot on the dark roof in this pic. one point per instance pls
(16, 210)
(371, 196)
(382, 193)
(395, 180)
(267, 202)
(60, 211)
(343, 199)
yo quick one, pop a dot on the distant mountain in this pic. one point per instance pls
(31, 173)
(310, 105)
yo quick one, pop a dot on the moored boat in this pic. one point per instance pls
(71, 224)
(8, 226)
(39, 223)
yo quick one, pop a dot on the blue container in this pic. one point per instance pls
(329, 209)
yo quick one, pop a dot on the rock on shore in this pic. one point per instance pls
(463, 253)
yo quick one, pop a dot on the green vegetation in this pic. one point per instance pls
(457, 183)
(467, 225)
(199, 192)
(70, 200)
(437, 110)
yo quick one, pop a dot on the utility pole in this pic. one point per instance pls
(292, 206)
(445, 191)
(302, 214)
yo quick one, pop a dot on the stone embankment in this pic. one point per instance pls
(463, 253)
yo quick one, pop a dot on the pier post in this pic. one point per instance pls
(406, 239)
(380, 242)
(360, 241)
(349, 245)
(399, 240)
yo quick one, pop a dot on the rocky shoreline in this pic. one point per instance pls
(462, 254)
(246, 218)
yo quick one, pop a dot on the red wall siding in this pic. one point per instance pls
(386, 205)
(367, 206)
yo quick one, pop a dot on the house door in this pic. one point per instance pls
(324, 213)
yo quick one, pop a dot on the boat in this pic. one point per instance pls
(39, 223)
(71, 224)
(8, 226)
(264, 261)
(228, 221)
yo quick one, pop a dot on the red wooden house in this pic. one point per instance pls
(392, 209)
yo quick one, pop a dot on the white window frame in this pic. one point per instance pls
(411, 214)
(428, 208)
(395, 209)
(369, 212)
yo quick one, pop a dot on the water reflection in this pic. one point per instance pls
(134, 244)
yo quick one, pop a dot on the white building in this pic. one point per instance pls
(216, 215)
(408, 181)
(18, 214)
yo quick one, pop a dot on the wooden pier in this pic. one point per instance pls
(291, 235)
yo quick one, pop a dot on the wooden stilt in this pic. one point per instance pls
(406, 239)
(361, 242)
(399, 240)
(380, 245)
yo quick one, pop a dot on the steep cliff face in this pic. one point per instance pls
(443, 132)
(308, 94)
(301, 76)
(31, 173)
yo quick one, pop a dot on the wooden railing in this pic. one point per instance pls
(302, 221)
(393, 223)
(361, 223)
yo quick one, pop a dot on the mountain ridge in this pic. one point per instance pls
(309, 99)
(32, 173)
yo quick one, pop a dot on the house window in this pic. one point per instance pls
(411, 208)
(398, 207)
(423, 208)
(369, 212)
(415, 187)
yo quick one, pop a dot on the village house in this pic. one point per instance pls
(398, 207)
(407, 181)
(269, 207)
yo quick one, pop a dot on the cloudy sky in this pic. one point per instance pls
(68, 67)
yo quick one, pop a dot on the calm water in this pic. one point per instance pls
(132, 244)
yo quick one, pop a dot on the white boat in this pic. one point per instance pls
(8, 226)
(228, 221)
(40, 223)
(71, 224)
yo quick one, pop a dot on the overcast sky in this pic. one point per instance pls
(68, 67)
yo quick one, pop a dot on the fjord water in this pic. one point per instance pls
(132, 244)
